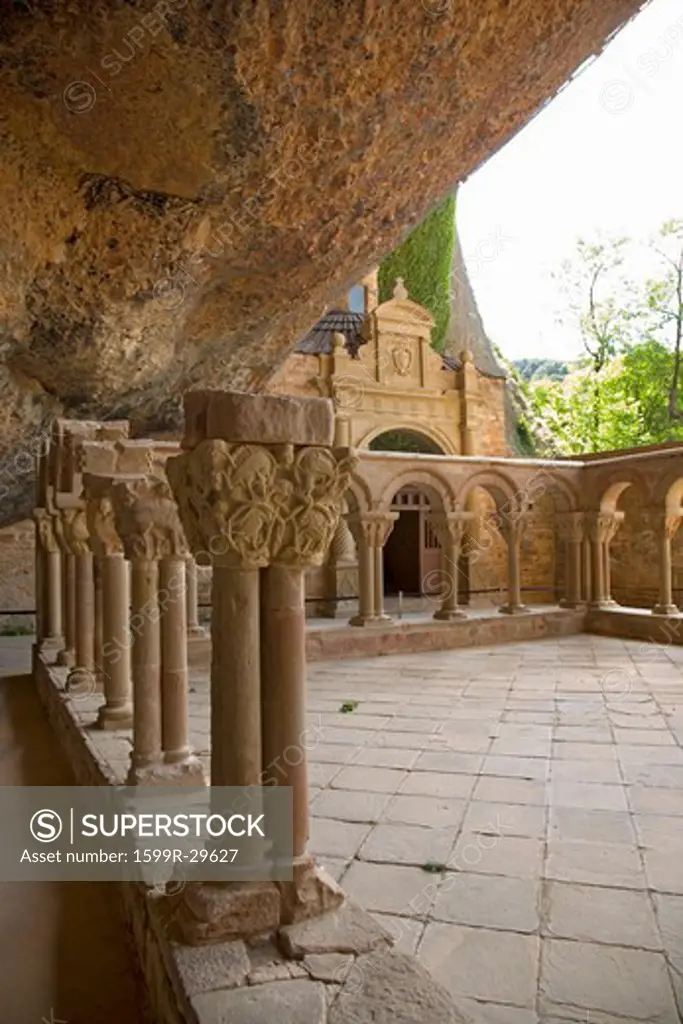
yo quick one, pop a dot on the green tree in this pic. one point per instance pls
(596, 307)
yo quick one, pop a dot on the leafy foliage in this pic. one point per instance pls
(541, 369)
(424, 262)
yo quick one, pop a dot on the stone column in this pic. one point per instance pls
(449, 528)
(50, 590)
(571, 532)
(587, 569)
(616, 520)
(81, 678)
(146, 519)
(667, 525)
(117, 710)
(273, 514)
(366, 569)
(175, 709)
(599, 526)
(371, 531)
(192, 602)
(511, 524)
(65, 656)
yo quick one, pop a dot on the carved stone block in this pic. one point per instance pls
(257, 419)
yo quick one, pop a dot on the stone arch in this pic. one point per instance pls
(358, 496)
(498, 485)
(669, 492)
(427, 480)
(426, 430)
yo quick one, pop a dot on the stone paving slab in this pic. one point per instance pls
(514, 815)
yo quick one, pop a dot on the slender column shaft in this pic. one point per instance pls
(283, 689)
(514, 581)
(666, 532)
(665, 582)
(82, 673)
(450, 570)
(117, 710)
(587, 571)
(66, 655)
(192, 603)
(98, 623)
(378, 582)
(144, 627)
(175, 717)
(574, 571)
(235, 678)
(366, 598)
(598, 562)
(607, 572)
(53, 595)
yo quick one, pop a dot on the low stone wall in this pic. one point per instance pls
(636, 624)
(416, 637)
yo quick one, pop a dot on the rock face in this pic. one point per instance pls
(186, 185)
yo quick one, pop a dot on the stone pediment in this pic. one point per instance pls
(400, 315)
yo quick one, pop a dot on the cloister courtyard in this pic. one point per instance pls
(512, 815)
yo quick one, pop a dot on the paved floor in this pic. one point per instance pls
(63, 953)
(515, 816)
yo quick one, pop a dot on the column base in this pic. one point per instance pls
(666, 609)
(65, 658)
(80, 683)
(600, 605)
(448, 614)
(513, 609)
(185, 773)
(196, 631)
(115, 718)
(216, 912)
(371, 620)
(310, 893)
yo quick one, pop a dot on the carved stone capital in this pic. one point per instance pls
(449, 527)
(570, 526)
(104, 539)
(250, 506)
(46, 532)
(665, 524)
(602, 526)
(372, 528)
(512, 523)
(146, 518)
(75, 530)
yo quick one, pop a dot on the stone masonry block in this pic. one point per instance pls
(257, 419)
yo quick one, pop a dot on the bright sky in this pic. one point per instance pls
(605, 156)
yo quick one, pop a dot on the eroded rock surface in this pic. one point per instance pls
(187, 183)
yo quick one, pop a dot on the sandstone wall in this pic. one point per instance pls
(17, 592)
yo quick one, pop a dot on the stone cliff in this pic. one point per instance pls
(187, 183)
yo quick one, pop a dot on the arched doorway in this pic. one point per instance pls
(412, 554)
(411, 441)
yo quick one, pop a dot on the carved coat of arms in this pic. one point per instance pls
(402, 356)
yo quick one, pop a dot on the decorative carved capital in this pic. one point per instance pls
(570, 526)
(343, 549)
(665, 523)
(75, 531)
(512, 523)
(104, 539)
(45, 529)
(146, 519)
(254, 505)
(449, 528)
(602, 526)
(372, 528)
